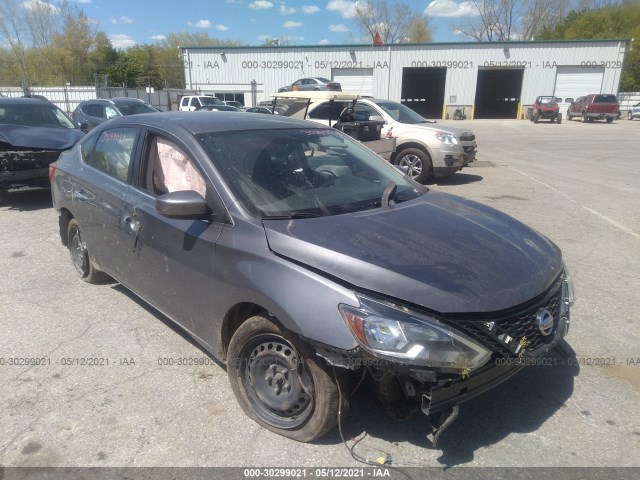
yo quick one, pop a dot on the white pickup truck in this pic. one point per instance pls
(422, 147)
(191, 103)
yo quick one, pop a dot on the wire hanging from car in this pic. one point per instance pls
(354, 455)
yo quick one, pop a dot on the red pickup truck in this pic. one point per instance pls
(595, 107)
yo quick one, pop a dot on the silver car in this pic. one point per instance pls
(634, 111)
(312, 84)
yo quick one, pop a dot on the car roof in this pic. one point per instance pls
(24, 101)
(121, 100)
(205, 122)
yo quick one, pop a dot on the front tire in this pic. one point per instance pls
(609, 119)
(80, 257)
(629, 115)
(278, 385)
(418, 164)
(584, 118)
(536, 118)
(569, 117)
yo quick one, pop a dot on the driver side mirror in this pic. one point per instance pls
(376, 118)
(186, 204)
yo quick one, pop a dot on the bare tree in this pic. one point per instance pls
(393, 22)
(14, 32)
(418, 31)
(499, 20)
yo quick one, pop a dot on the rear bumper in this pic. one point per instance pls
(600, 116)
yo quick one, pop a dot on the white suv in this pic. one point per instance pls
(191, 103)
(424, 147)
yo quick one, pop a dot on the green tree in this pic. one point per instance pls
(616, 21)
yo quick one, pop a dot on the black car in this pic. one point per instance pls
(303, 261)
(91, 113)
(33, 132)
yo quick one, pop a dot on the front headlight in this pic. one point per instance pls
(568, 293)
(447, 138)
(391, 331)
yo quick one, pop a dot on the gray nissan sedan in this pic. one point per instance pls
(305, 263)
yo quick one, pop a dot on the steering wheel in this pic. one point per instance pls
(324, 178)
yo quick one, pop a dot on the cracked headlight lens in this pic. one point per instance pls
(446, 138)
(398, 333)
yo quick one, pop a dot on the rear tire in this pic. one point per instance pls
(536, 118)
(559, 118)
(280, 385)
(418, 163)
(569, 117)
(80, 257)
(609, 119)
(584, 118)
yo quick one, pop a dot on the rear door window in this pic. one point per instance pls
(112, 152)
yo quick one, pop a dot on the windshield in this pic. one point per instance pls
(211, 101)
(547, 101)
(304, 173)
(133, 108)
(399, 112)
(48, 116)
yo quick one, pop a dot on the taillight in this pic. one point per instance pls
(52, 171)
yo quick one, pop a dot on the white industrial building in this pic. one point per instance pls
(486, 79)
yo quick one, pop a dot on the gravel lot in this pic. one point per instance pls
(579, 184)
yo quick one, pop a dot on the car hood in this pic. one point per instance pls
(433, 127)
(39, 137)
(441, 252)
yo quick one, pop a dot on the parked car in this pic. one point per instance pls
(423, 147)
(595, 107)
(315, 83)
(33, 132)
(279, 110)
(547, 108)
(634, 112)
(301, 259)
(234, 103)
(217, 108)
(191, 103)
(258, 109)
(91, 113)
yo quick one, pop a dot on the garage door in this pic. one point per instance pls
(354, 80)
(575, 81)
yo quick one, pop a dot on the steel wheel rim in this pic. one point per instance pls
(276, 381)
(78, 250)
(413, 164)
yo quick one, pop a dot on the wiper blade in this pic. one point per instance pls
(388, 194)
(292, 216)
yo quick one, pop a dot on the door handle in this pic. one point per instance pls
(132, 223)
(80, 195)
(135, 227)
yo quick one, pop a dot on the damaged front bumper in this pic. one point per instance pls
(22, 165)
(514, 339)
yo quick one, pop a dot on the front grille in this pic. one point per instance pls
(26, 159)
(522, 328)
(467, 137)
